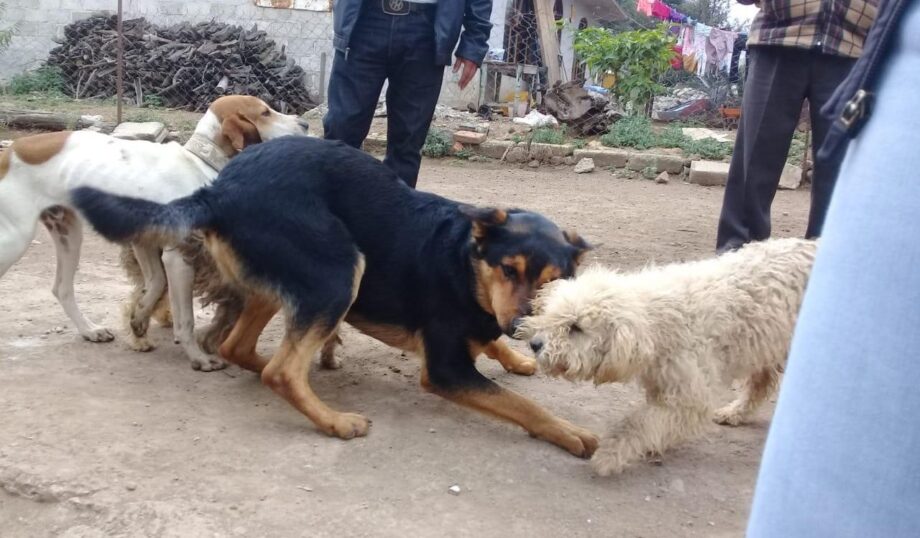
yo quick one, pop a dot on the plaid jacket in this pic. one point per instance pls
(836, 27)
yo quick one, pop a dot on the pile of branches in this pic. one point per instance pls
(182, 66)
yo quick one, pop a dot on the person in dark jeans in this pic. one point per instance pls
(407, 44)
(791, 58)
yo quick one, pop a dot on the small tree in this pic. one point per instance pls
(637, 58)
(6, 34)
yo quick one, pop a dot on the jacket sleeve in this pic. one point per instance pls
(474, 41)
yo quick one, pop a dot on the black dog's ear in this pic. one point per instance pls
(484, 218)
(581, 246)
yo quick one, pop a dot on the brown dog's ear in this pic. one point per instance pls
(240, 132)
(581, 246)
(483, 219)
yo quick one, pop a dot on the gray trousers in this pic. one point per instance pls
(778, 82)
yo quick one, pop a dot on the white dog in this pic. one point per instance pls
(38, 173)
(679, 330)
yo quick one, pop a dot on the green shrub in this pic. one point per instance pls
(548, 135)
(636, 132)
(631, 132)
(708, 148)
(672, 137)
(437, 143)
(45, 79)
(796, 149)
(153, 100)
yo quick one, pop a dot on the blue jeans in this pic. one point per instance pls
(401, 50)
(843, 455)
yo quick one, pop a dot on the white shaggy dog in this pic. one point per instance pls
(679, 330)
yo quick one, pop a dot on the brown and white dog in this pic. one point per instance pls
(38, 173)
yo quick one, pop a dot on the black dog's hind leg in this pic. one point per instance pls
(315, 309)
(450, 372)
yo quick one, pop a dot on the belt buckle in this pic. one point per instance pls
(395, 7)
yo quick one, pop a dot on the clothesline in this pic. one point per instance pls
(700, 48)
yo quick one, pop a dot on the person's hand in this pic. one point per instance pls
(469, 69)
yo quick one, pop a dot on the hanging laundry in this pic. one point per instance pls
(688, 45)
(719, 48)
(660, 10)
(677, 62)
(676, 16)
(644, 7)
(701, 40)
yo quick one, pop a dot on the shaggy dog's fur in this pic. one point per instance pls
(679, 330)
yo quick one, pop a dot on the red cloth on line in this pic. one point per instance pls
(677, 62)
(660, 10)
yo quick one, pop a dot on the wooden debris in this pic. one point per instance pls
(182, 66)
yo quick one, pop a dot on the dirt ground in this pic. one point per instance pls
(96, 440)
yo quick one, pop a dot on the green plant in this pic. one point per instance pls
(579, 143)
(154, 100)
(516, 138)
(708, 148)
(46, 79)
(637, 58)
(463, 154)
(437, 143)
(6, 35)
(650, 172)
(630, 132)
(672, 137)
(796, 149)
(548, 135)
(636, 132)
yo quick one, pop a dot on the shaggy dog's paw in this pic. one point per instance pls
(98, 334)
(207, 363)
(727, 416)
(608, 461)
(141, 344)
(348, 426)
(578, 441)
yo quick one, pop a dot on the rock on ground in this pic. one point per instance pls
(584, 166)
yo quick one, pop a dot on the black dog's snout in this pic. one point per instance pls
(536, 345)
(515, 325)
(303, 124)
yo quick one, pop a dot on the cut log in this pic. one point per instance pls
(35, 120)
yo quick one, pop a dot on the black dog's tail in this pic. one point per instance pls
(122, 218)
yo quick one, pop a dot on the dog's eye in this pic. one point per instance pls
(509, 272)
(575, 328)
(267, 112)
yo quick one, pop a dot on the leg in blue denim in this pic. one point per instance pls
(412, 94)
(843, 455)
(356, 81)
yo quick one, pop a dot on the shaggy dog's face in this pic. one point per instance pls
(581, 331)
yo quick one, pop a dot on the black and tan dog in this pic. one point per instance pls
(326, 232)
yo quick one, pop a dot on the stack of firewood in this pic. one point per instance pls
(183, 66)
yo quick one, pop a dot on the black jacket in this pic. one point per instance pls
(851, 104)
(451, 15)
